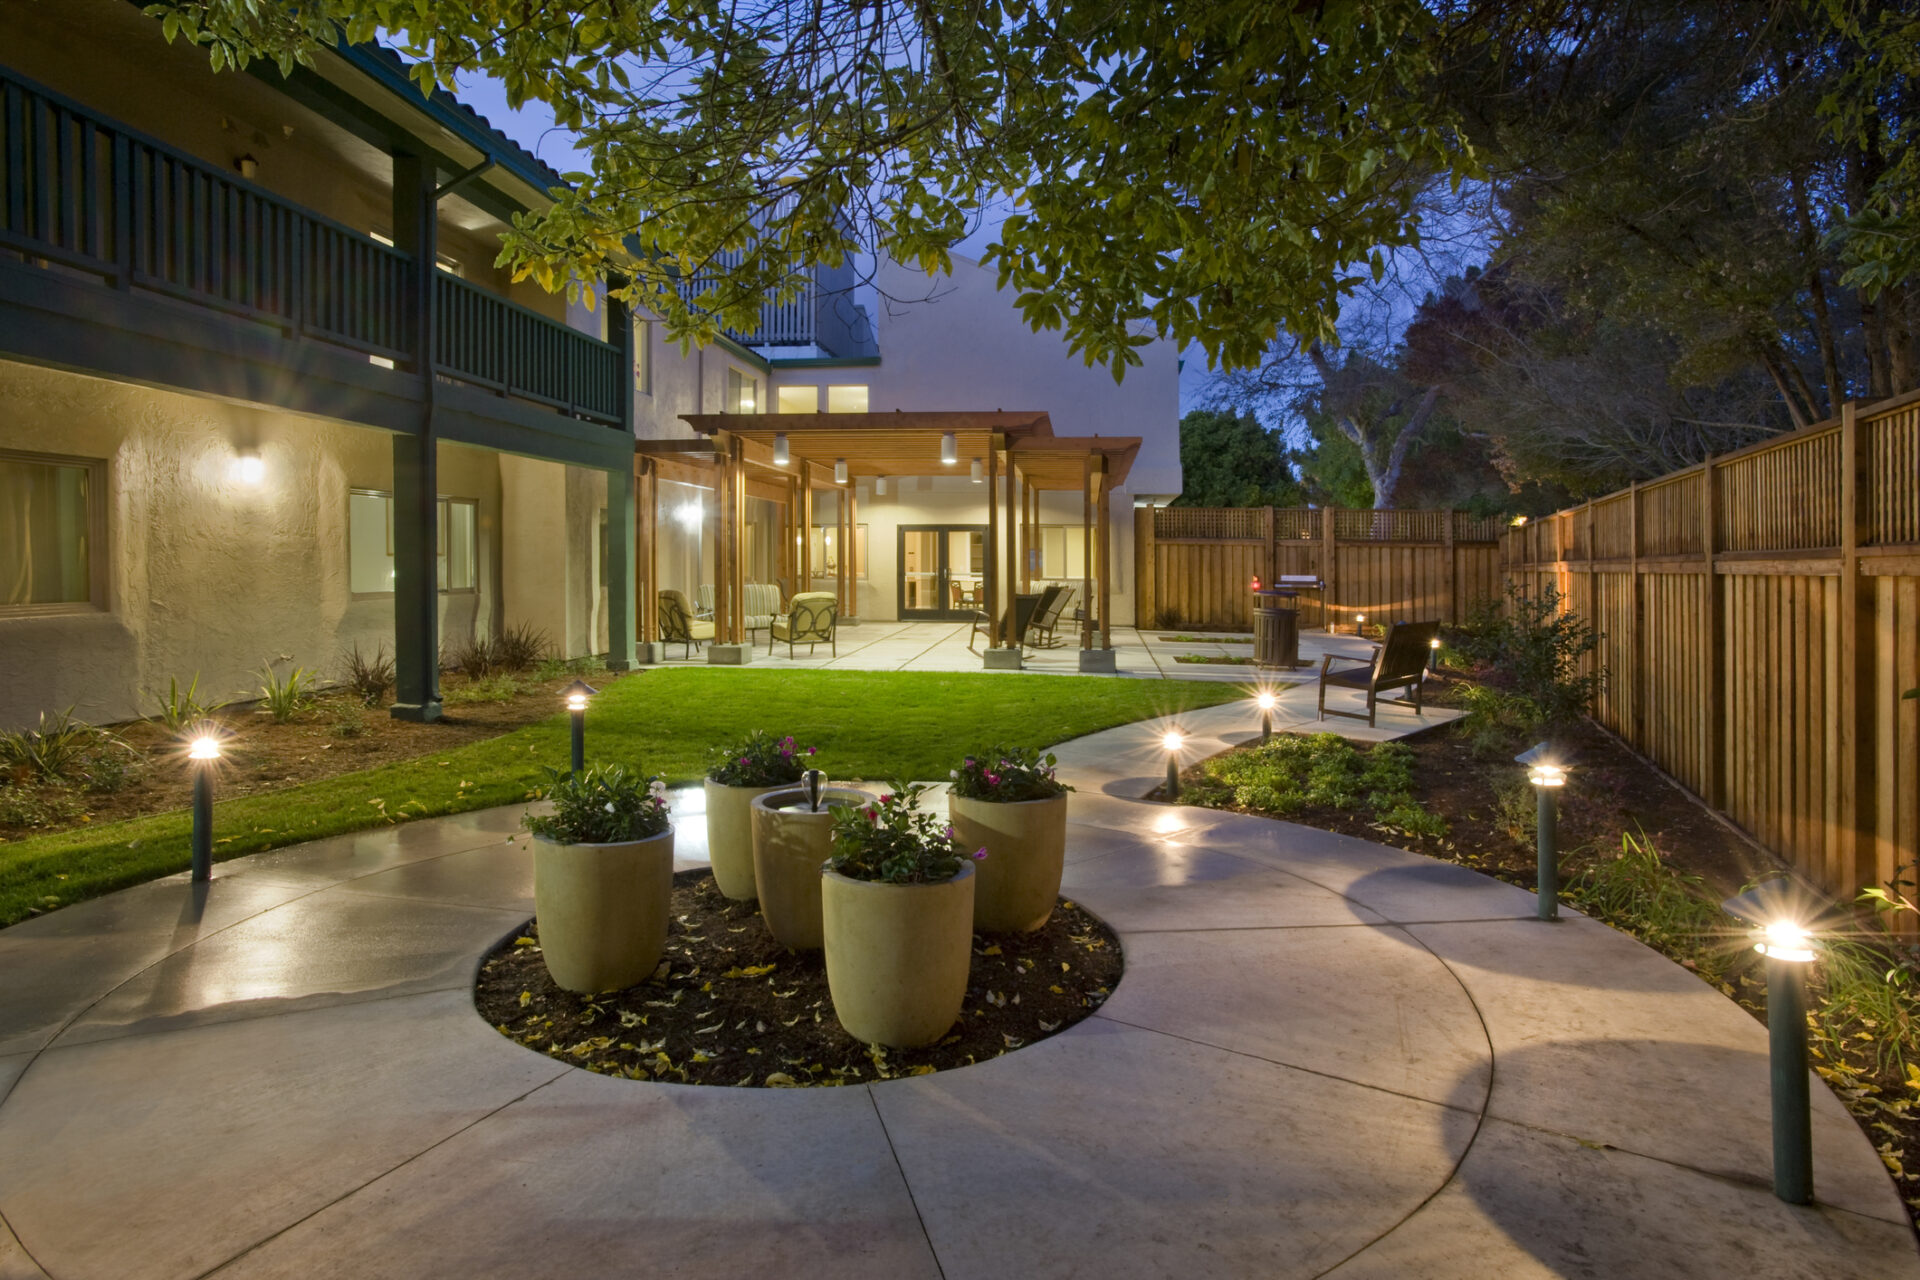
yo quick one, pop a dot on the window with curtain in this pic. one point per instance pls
(847, 399)
(370, 543)
(46, 531)
(826, 551)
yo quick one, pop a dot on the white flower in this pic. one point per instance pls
(657, 789)
(609, 806)
(953, 773)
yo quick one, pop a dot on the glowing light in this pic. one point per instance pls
(1173, 740)
(1434, 644)
(839, 470)
(204, 748)
(249, 468)
(979, 472)
(949, 449)
(1266, 700)
(780, 455)
(1785, 940)
(690, 514)
(576, 702)
(1547, 775)
(577, 694)
(880, 485)
(1518, 521)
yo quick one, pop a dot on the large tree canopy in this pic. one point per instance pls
(1206, 172)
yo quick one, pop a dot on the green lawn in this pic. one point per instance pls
(878, 725)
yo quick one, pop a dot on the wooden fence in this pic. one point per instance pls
(1761, 615)
(1195, 565)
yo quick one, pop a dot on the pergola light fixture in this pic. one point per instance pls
(781, 457)
(979, 471)
(880, 486)
(839, 470)
(949, 449)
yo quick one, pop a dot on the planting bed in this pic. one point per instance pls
(730, 1006)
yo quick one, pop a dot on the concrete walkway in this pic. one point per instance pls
(1326, 1058)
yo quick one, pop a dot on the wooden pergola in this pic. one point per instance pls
(1022, 458)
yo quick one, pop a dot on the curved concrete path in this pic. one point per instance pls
(1326, 1059)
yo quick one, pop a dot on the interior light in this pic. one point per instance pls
(690, 514)
(780, 456)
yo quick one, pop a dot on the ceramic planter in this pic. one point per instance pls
(730, 836)
(789, 844)
(897, 956)
(1026, 844)
(602, 910)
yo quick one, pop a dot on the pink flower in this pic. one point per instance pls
(949, 833)
(809, 750)
(968, 762)
(873, 815)
(884, 799)
(980, 853)
(993, 779)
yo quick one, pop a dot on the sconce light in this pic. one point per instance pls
(247, 166)
(880, 486)
(780, 456)
(248, 469)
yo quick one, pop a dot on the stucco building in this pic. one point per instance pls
(265, 398)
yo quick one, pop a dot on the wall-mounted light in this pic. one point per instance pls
(839, 470)
(979, 471)
(880, 485)
(780, 456)
(247, 166)
(248, 469)
(949, 449)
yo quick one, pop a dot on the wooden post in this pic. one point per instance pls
(1714, 599)
(737, 563)
(1106, 554)
(1450, 570)
(1014, 638)
(851, 551)
(722, 489)
(1859, 845)
(805, 580)
(1272, 558)
(1026, 538)
(1086, 552)
(989, 562)
(1636, 621)
(650, 551)
(1329, 570)
(1146, 608)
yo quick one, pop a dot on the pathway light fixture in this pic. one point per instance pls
(1359, 624)
(1547, 776)
(1266, 700)
(1172, 740)
(577, 695)
(1777, 910)
(203, 753)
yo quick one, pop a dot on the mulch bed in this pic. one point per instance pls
(1213, 661)
(334, 736)
(730, 1006)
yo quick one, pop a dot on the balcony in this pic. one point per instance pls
(92, 196)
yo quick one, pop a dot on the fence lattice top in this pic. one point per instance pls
(1296, 524)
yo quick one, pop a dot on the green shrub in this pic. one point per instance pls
(521, 648)
(1867, 998)
(1516, 810)
(352, 722)
(1289, 773)
(759, 760)
(561, 668)
(283, 698)
(500, 688)
(1638, 892)
(21, 807)
(1539, 647)
(894, 841)
(180, 708)
(1497, 723)
(472, 657)
(601, 805)
(58, 749)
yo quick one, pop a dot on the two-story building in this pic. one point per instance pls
(264, 397)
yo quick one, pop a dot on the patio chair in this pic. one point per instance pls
(762, 601)
(1025, 608)
(703, 601)
(812, 618)
(1046, 617)
(678, 625)
(1399, 663)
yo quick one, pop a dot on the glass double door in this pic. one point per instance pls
(941, 571)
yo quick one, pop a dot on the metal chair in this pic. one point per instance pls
(677, 623)
(812, 618)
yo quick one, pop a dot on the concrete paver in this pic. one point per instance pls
(1326, 1057)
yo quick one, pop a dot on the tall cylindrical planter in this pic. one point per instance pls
(789, 844)
(1026, 844)
(730, 836)
(897, 956)
(602, 910)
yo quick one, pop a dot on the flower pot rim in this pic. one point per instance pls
(828, 873)
(989, 800)
(800, 793)
(742, 786)
(609, 844)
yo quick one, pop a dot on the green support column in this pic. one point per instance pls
(416, 490)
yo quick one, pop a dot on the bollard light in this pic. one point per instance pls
(202, 754)
(1359, 624)
(1787, 944)
(1547, 777)
(577, 695)
(1266, 701)
(1173, 740)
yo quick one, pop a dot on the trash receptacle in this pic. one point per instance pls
(1276, 629)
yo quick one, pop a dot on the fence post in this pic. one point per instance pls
(1636, 619)
(1859, 860)
(1449, 570)
(1146, 611)
(1715, 598)
(1273, 552)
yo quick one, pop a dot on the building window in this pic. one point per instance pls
(1062, 552)
(826, 551)
(847, 399)
(798, 399)
(370, 543)
(49, 536)
(743, 393)
(642, 356)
